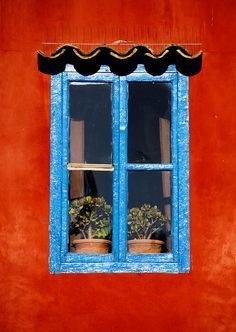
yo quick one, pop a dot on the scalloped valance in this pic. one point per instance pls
(120, 63)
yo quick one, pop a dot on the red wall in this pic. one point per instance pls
(31, 298)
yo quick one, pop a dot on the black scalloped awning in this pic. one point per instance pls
(120, 63)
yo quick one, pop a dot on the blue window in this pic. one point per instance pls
(119, 172)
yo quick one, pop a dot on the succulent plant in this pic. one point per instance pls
(90, 217)
(145, 221)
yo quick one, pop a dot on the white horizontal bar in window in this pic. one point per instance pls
(90, 167)
(149, 167)
(88, 83)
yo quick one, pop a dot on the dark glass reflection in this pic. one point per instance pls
(90, 209)
(149, 122)
(90, 123)
(149, 206)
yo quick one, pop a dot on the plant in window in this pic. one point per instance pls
(144, 226)
(90, 221)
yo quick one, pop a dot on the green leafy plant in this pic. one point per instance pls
(90, 217)
(145, 221)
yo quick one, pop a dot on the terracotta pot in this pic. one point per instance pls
(144, 246)
(92, 246)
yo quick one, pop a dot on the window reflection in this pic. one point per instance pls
(149, 211)
(149, 122)
(90, 211)
(90, 123)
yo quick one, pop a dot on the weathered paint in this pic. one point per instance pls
(116, 133)
(183, 174)
(31, 299)
(55, 171)
(149, 167)
(119, 267)
(178, 197)
(122, 170)
(179, 165)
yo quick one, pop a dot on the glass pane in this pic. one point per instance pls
(149, 122)
(90, 123)
(149, 211)
(90, 212)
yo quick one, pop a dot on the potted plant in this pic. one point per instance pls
(143, 224)
(90, 222)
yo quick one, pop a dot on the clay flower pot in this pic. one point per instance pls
(144, 246)
(92, 246)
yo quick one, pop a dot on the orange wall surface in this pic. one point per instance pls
(31, 299)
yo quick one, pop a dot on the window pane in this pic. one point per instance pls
(90, 211)
(149, 122)
(90, 123)
(149, 211)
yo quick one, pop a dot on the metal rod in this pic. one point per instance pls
(90, 167)
(120, 44)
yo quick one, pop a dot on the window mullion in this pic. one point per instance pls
(115, 139)
(174, 158)
(65, 173)
(123, 169)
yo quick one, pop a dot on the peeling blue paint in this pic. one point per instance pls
(174, 157)
(55, 172)
(122, 170)
(149, 167)
(62, 261)
(116, 134)
(118, 267)
(183, 170)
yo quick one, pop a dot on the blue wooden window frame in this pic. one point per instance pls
(119, 260)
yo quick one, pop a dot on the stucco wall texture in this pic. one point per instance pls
(30, 298)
